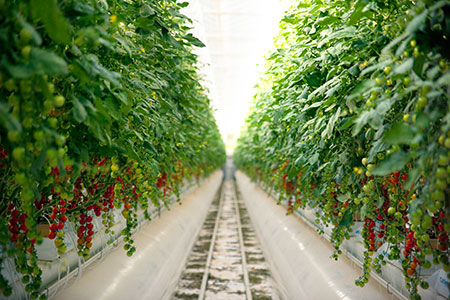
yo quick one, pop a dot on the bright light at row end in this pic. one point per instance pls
(237, 36)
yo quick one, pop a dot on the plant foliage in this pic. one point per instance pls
(100, 109)
(352, 118)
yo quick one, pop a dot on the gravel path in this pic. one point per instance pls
(233, 267)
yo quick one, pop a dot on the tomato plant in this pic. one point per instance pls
(99, 100)
(352, 118)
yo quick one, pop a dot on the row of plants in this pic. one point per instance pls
(101, 108)
(352, 119)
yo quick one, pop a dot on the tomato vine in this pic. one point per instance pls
(352, 119)
(101, 108)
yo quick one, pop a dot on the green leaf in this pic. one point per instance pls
(361, 88)
(78, 110)
(347, 218)
(313, 79)
(83, 8)
(18, 70)
(330, 126)
(34, 34)
(348, 122)
(328, 20)
(344, 197)
(314, 158)
(418, 64)
(354, 70)
(358, 13)
(445, 79)
(57, 27)
(404, 67)
(392, 163)
(361, 121)
(146, 11)
(193, 40)
(7, 120)
(45, 62)
(145, 23)
(377, 146)
(413, 176)
(418, 21)
(399, 133)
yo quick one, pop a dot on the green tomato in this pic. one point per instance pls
(447, 143)
(25, 35)
(59, 242)
(26, 51)
(387, 70)
(10, 85)
(19, 154)
(439, 184)
(48, 105)
(53, 122)
(51, 154)
(406, 80)
(51, 88)
(364, 161)
(367, 189)
(370, 167)
(20, 178)
(370, 103)
(441, 173)
(425, 285)
(427, 222)
(28, 122)
(391, 210)
(25, 279)
(62, 249)
(59, 101)
(60, 140)
(422, 102)
(14, 136)
(406, 117)
(437, 195)
(426, 264)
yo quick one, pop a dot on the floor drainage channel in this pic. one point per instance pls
(226, 261)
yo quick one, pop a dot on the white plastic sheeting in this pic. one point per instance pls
(299, 257)
(162, 248)
(237, 35)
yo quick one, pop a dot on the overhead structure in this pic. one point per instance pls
(237, 35)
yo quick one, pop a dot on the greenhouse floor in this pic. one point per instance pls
(228, 240)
